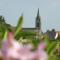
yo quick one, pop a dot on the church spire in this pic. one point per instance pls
(38, 16)
(38, 22)
(38, 25)
(38, 12)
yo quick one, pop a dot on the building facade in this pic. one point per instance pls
(37, 27)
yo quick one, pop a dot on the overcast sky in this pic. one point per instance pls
(49, 12)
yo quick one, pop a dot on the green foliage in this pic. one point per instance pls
(19, 25)
(3, 27)
(5, 35)
(35, 43)
(25, 35)
(18, 33)
(53, 58)
(52, 45)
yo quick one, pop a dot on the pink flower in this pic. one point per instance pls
(42, 46)
(42, 55)
(26, 54)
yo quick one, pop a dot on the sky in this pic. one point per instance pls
(49, 12)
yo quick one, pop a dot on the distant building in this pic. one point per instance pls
(58, 32)
(52, 35)
(37, 27)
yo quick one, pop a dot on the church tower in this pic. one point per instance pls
(38, 26)
(38, 21)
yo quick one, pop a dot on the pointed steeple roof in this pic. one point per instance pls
(38, 16)
(38, 12)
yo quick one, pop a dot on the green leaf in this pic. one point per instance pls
(51, 47)
(5, 35)
(19, 25)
